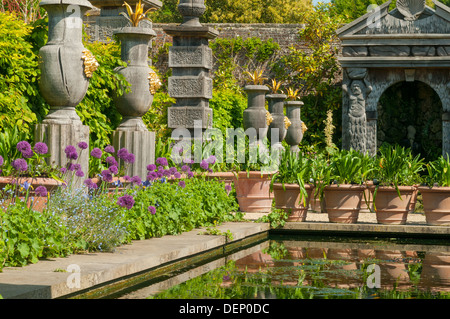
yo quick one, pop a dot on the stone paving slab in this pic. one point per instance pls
(45, 280)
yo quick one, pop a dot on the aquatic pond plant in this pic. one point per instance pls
(282, 276)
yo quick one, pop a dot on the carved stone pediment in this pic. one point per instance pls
(401, 20)
(398, 37)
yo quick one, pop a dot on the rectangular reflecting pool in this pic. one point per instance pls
(313, 267)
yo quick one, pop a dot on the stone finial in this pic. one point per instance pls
(411, 9)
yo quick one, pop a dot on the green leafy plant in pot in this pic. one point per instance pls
(394, 189)
(343, 197)
(292, 185)
(436, 192)
(252, 175)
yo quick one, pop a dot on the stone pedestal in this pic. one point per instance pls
(191, 61)
(141, 144)
(58, 137)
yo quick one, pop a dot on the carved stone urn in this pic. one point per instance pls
(294, 134)
(65, 64)
(277, 128)
(255, 115)
(191, 10)
(134, 104)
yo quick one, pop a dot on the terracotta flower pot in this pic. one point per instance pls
(289, 200)
(37, 202)
(343, 202)
(389, 207)
(436, 271)
(393, 269)
(436, 205)
(253, 192)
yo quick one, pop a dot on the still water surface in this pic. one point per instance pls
(305, 268)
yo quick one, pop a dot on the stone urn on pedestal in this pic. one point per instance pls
(65, 64)
(280, 123)
(134, 104)
(132, 133)
(294, 134)
(66, 67)
(255, 115)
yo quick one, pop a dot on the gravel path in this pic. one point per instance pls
(413, 218)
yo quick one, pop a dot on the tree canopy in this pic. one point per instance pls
(244, 11)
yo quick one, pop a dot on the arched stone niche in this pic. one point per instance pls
(382, 48)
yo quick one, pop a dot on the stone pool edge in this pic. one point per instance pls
(60, 277)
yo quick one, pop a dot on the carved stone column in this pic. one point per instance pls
(191, 61)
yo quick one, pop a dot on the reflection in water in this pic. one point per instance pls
(305, 269)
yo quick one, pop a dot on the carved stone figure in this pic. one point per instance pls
(411, 9)
(359, 89)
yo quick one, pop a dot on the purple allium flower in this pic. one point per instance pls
(1, 160)
(166, 173)
(96, 152)
(126, 201)
(70, 149)
(182, 184)
(72, 156)
(173, 170)
(136, 180)
(74, 167)
(228, 188)
(129, 158)
(63, 170)
(27, 153)
(88, 182)
(41, 148)
(151, 167)
(23, 146)
(162, 161)
(79, 173)
(152, 176)
(122, 153)
(204, 164)
(83, 145)
(20, 164)
(127, 178)
(113, 169)
(152, 210)
(185, 168)
(71, 152)
(111, 160)
(110, 149)
(190, 174)
(177, 175)
(106, 175)
(41, 191)
(211, 160)
(160, 174)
